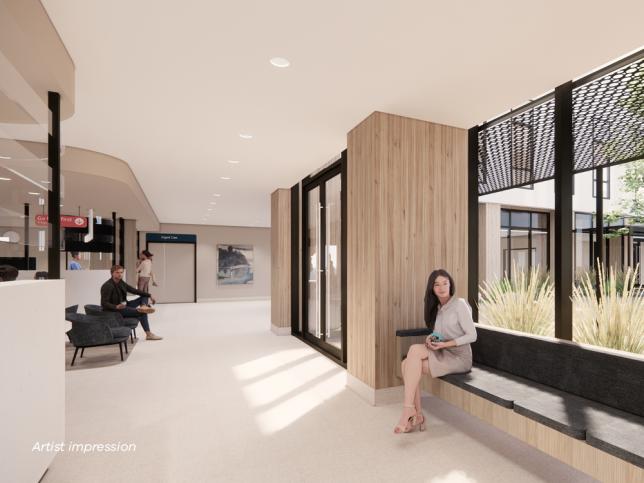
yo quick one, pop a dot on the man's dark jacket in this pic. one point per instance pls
(113, 293)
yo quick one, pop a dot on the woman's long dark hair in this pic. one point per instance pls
(431, 300)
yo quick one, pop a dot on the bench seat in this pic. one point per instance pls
(497, 386)
(616, 432)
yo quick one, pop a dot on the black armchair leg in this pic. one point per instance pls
(74, 358)
(121, 349)
(131, 337)
(82, 352)
(125, 343)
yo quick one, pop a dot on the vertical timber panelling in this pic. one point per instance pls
(407, 216)
(362, 215)
(281, 258)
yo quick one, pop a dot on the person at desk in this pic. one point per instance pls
(114, 298)
(75, 263)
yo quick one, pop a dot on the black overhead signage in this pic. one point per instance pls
(170, 238)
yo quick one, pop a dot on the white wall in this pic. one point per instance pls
(543, 194)
(208, 237)
(32, 371)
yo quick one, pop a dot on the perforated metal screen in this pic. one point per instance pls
(608, 128)
(519, 150)
(608, 118)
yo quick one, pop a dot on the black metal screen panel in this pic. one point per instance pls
(608, 118)
(519, 150)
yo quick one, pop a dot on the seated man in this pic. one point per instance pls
(114, 298)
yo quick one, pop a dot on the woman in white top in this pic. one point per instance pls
(144, 271)
(451, 318)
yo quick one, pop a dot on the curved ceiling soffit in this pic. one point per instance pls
(34, 61)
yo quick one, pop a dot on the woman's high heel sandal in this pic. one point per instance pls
(420, 418)
(411, 423)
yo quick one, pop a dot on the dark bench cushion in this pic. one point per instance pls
(615, 432)
(621, 436)
(611, 379)
(497, 386)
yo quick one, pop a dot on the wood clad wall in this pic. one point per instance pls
(407, 215)
(281, 258)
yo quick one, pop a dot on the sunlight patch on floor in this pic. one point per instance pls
(263, 365)
(275, 386)
(454, 476)
(289, 411)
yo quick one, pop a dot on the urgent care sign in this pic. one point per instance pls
(66, 221)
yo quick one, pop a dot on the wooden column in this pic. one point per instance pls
(406, 216)
(281, 261)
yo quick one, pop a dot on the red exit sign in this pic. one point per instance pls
(66, 221)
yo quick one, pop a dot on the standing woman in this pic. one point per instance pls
(450, 317)
(144, 270)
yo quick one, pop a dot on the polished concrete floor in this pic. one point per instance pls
(223, 399)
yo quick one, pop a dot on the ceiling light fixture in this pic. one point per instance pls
(244, 135)
(46, 182)
(225, 178)
(280, 62)
(230, 161)
(5, 179)
(33, 193)
(216, 194)
(5, 157)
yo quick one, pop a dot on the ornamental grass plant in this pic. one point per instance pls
(525, 303)
(615, 318)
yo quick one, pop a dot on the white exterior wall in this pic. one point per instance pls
(543, 195)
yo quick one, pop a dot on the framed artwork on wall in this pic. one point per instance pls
(234, 264)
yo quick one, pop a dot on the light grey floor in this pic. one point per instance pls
(223, 399)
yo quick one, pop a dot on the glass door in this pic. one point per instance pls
(323, 322)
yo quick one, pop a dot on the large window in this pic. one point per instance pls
(605, 183)
(524, 242)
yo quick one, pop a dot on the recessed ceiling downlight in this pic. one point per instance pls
(280, 62)
(245, 135)
(232, 161)
(226, 178)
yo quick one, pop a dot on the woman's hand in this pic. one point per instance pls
(438, 345)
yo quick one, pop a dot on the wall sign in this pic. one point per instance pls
(170, 238)
(66, 221)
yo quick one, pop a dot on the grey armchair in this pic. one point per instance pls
(93, 331)
(115, 318)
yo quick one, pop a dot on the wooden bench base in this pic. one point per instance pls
(573, 452)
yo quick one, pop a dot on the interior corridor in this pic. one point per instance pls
(221, 398)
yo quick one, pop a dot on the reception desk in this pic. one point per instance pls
(32, 371)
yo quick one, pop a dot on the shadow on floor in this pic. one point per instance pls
(102, 356)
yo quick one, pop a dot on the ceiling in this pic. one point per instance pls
(89, 180)
(168, 87)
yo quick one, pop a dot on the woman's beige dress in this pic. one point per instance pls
(453, 322)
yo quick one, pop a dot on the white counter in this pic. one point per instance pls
(32, 373)
(82, 287)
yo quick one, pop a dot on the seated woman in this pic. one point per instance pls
(450, 319)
